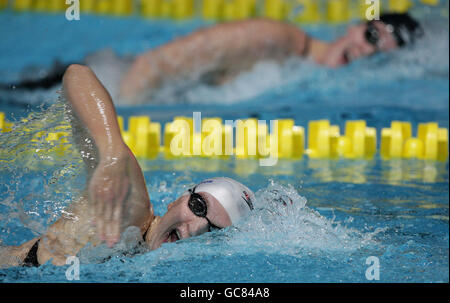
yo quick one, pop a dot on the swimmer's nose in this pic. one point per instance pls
(183, 231)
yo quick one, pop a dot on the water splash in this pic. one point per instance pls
(280, 224)
(425, 60)
(284, 224)
(130, 244)
(39, 177)
(428, 58)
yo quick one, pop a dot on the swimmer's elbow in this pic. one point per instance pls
(75, 70)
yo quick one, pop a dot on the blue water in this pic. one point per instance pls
(343, 212)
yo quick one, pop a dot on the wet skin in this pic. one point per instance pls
(354, 45)
(220, 52)
(116, 194)
(180, 222)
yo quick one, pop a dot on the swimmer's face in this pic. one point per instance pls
(355, 44)
(180, 222)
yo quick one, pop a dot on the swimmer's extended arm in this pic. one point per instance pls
(116, 189)
(226, 48)
(93, 106)
(117, 186)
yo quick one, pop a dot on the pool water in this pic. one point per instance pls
(342, 212)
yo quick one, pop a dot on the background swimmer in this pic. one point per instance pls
(116, 195)
(217, 54)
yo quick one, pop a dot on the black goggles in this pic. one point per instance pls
(197, 205)
(372, 35)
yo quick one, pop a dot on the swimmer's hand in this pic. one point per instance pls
(109, 188)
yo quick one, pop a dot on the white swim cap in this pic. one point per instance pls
(236, 198)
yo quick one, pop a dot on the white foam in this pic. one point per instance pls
(284, 224)
(130, 243)
(428, 58)
(280, 224)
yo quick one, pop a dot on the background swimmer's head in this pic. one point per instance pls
(212, 204)
(391, 32)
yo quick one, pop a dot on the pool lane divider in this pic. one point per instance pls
(325, 140)
(3, 4)
(302, 11)
(430, 2)
(249, 138)
(431, 142)
(22, 5)
(5, 126)
(400, 6)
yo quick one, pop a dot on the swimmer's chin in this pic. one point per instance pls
(346, 58)
(167, 237)
(157, 237)
(338, 60)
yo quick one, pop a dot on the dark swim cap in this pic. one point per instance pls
(404, 28)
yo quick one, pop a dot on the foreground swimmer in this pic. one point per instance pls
(216, 54)
(116, 195)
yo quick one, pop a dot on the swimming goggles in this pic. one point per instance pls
(197, 205)
(372, 35)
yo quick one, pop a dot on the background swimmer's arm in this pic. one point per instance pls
(117, 186)
(227, 48)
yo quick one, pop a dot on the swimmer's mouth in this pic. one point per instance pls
(173, 236)
(346, 57)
